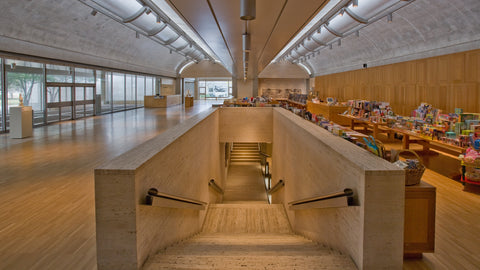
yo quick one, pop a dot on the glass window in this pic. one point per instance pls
(56, 73)
(149, 90)
(118, 91)
(217, 89)
(104, 99)
(25, 79)
(130, 91)
(83, 75)
(140, 90)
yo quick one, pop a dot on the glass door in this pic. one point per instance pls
(59, 102)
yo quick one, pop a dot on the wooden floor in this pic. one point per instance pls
(47, 194)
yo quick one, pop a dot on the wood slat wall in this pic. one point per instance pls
(447, 82)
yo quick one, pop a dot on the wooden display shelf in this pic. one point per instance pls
(426, 142)
(419, 231)
(331, 112)
(375, 127)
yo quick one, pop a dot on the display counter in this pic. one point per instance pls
(329, 112)
(162, 101)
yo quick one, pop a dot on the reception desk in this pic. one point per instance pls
(162, 101)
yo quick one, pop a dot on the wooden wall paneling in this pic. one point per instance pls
(456, 67)
(420, 68)
(443, 68)
(400, 99)
(411, 72)
(472, 66)
(465, 96)
(412, 100)
(431, 70)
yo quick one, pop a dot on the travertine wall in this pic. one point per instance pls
(180, 162)
(246, 124)
(313, 162)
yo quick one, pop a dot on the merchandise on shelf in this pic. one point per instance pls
(373, 110)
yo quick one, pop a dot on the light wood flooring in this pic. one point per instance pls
(47, 217)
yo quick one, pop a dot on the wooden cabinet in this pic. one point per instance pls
(188, 102)
(329, 112)
(419, 235)
(162, 101)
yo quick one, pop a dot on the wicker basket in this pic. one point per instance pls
(413, 176)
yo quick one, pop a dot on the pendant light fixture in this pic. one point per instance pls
(247, 10)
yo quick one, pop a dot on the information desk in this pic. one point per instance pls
(427, 143)
(419, 231)
(329, 112)
(162, 101)
(375, 127)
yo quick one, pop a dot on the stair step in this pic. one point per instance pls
(249, 251)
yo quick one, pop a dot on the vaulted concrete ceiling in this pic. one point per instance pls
(218, 23)
(66, 30)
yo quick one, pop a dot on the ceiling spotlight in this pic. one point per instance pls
(389, 17)
(354, 3)
(330, 46)
(148, 11)
(171, 51)
(357, 33)
(93, 13)
(319, 30)
(339, 42)
(137, 35)
(247, 10)
(341, 12)
(159, 19)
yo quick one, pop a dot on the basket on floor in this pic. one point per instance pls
(413, 176)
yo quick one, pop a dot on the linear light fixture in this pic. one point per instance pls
(341, 18)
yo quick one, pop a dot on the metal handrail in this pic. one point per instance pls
(346, 193)
(215, 187)
(277, 186)
(263, 154)
(153, 192)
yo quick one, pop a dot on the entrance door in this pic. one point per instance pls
(59, 102)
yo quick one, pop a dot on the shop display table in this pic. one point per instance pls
(410, 137)
(419, 230)
(375, 127)
(21, 122)
(162, 101)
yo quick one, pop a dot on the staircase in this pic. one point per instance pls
(245, 152)
(248, 236)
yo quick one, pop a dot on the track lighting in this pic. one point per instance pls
(246, 42)
(341, 12)
(339, 42)
(148, 11)
(357, 33)
(137, 35)
(354, 3)
(93, 13)
(330, 46)
(171, 51)
(389, 17)
(159, 19)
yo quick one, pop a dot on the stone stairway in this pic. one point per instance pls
(248, 236)
(245, 152)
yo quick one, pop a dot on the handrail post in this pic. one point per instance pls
(277, 186)
(215, 187)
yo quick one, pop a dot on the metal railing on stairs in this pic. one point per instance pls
(215, 187)
(155, 198)
(276, 187)
(337, 199)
